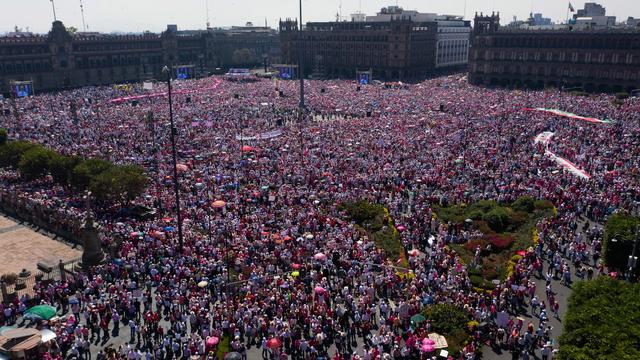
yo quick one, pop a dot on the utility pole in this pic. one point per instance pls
(301, 63)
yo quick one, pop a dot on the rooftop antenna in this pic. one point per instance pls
(464, 15)
(340, 11)
(360, 7)
(84, 25)
(207, 8)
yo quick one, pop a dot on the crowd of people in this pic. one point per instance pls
(276, 268)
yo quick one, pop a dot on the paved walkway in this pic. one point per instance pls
(23, 247)
(562, 295)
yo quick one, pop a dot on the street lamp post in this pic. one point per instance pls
(176, 186)
(633, 259)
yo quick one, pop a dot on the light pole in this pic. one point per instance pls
(301, 63)
(176, 187)
(633, 259)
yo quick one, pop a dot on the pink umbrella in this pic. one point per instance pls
(274, 343)
(247, 148)
(428, 348)
(320, 257)
(212, 341)
(401, 228)
(182, 167)
(428, 341)
(319, 290)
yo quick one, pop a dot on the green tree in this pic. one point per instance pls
(450, 321)
(119, 183)
(61, 168)
(524, 203)
(602, 321)
(11, 152)
(498, 219)
(87, 170)
(622, 229)
(3, 136)
(445, 318)
(34, 163)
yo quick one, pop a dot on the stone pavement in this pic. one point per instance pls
(23, 247)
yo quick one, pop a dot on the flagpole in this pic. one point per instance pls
(53, 6)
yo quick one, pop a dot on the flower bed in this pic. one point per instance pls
(506, 229)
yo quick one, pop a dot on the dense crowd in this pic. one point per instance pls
(438, 142)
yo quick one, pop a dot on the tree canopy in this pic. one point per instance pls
(107, 181)
(602, 321)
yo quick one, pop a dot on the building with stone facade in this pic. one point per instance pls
(593, 60)
(395, 44)
(60, 59)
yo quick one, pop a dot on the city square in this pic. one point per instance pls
(427, 189)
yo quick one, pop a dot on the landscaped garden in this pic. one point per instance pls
(375, 222)
(507, 230)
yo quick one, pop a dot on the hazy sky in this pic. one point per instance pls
(154, 15)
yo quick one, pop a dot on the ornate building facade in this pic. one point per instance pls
(62, 60)
(395, 44)
(596, 60)
(394, 50)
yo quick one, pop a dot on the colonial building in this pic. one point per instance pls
(61, 60)
(595, 60)
(394, 44)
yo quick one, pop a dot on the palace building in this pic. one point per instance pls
(604, 60)
(395, 44)
(60, 59)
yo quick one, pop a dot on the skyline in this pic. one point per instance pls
(140, 15)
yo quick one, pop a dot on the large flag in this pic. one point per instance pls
(571, 8)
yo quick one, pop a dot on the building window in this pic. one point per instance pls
(614, 58)
(587, 57)
(549, 56)
(629, 59)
